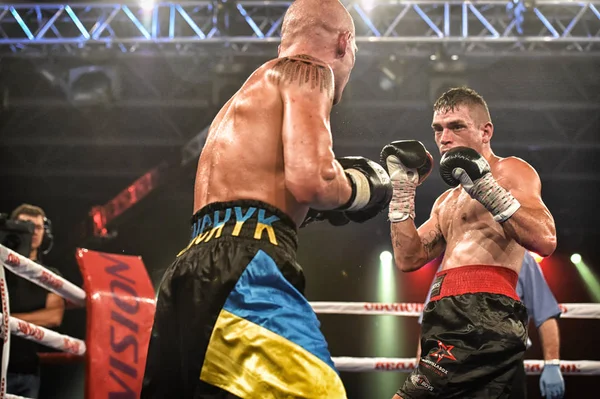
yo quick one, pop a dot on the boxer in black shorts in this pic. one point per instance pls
(235, 292)
(474, 329)
(231, 318)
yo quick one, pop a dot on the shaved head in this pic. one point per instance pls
(324, 30)
(315, 20)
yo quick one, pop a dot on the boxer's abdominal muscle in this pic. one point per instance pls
(473, 237)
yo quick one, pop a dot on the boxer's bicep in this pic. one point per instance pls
(522, 181)
(306, 90)
(532, 225)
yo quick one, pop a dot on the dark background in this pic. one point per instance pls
(67, 157)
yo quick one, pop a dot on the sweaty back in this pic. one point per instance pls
(243, 154)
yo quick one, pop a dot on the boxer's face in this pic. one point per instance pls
(458, 128)
(346, 57)
(38, 232)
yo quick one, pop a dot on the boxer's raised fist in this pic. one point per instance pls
(371, 188)
(407, 159)
(463, 165)
(408, 163)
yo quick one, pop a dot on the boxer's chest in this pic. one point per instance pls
(460, 213)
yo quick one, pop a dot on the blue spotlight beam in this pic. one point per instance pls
(194, 26)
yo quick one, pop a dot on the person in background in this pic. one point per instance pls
(31, 303)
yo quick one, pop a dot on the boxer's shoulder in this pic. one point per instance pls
(299, 60)
(510, 163)
(302, 71)
(514, 169)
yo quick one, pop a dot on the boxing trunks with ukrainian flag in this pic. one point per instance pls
(231, 317)
(473, 336)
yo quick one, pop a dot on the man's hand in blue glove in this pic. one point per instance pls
(552, 385)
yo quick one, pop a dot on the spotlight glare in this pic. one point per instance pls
(368, 5)
(147, 5)
(576, 258)
(386, 257)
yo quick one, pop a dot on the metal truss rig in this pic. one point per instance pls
(253, 27)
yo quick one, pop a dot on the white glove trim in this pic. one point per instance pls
(363, 190)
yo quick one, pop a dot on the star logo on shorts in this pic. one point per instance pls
(443, 351)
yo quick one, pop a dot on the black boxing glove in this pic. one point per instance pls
(465, 166)
(459, 160)
(371, 188)
(335, 218)
(408, 163)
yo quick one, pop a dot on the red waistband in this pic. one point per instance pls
(473, 279)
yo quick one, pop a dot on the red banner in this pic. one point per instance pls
(120, 312)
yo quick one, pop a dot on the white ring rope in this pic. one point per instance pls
(43, 277)
(532, 367)
(4, 330)
(37, 274)
(569, 310)
(45, 336)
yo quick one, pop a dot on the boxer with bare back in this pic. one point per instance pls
(474, 329)
(231, 317)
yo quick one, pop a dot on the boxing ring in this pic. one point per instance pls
(120, 302)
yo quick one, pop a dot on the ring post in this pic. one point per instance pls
(120, 305)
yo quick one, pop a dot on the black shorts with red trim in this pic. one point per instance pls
(473, 336)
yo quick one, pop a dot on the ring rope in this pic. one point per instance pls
(5, 331)
(37, 274)
(569, 310)
(45, 336)
(532, 367)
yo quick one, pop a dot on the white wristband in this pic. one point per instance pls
(362, 187)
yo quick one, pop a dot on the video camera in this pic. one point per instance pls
(16, 234)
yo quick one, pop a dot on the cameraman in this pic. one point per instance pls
(31, 303)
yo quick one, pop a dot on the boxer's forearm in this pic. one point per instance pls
(409, 250)
(332, 193)
(550, 339)
(325, 189)
(533, 229)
